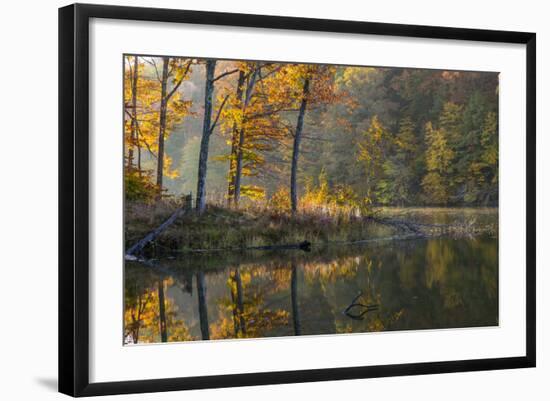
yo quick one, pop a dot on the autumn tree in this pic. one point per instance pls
(440, 182)
(439, 157)
(133, 132)
(177, 70)
(236, 105)
(297, 139)
(140, 128)
(252, 120)
(484, 170)
(372, 152)
(250, 83)
(477, 137)
(152, 111)
(400, 167)
(132, 67)
(305, 86)
(207, 129)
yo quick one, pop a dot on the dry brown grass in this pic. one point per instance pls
(258, 224)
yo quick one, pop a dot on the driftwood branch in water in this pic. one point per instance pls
(357, 305)
(424, 230)
(138, 246)
(403, 225)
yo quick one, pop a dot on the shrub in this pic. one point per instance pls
(280, 200)
(138, 186)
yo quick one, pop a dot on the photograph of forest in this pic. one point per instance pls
(268, 198)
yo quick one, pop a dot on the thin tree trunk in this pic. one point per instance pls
(162, 312)
(296, 147)
(138, 155)
(162, 123)
(235, 143)
(133, 132)
(294, 299)
(206, 131)
(239, 167)
(203, 313)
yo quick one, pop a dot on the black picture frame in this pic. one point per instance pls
(74, 198)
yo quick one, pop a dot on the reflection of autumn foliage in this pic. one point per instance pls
(438, 257)
(259, 319)
(260, 323)
(142, 319)
(333, 270)
(439, 283)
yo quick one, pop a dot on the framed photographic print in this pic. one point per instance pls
(249, 199)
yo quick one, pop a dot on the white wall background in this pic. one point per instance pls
(28, 200)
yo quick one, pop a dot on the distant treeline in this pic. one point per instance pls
(257, 132)
(419, 137)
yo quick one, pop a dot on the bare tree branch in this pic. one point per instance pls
(179, 82)
(218, 115)
(225, 74)
(154, 64)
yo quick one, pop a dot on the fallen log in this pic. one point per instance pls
(136, 249)
(138, 246)
(303, 246)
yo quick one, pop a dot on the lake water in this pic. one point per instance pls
(390, 285)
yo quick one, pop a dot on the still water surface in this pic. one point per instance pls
(399, 285)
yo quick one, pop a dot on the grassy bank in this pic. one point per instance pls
(222, 228)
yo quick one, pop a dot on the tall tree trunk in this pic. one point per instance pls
(203, 313)
(296, 147)
(206, 131)
(294, 299)
(235, 143)
(239, 167)
(162, 123)
(162, 312)
(133, 132)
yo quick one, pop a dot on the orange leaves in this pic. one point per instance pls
(148, 99)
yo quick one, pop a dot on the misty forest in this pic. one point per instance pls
(272, 199)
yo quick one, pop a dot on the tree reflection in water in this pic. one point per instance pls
(427, 284)
(294, 297)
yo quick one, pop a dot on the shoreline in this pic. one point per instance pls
(237, 230)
